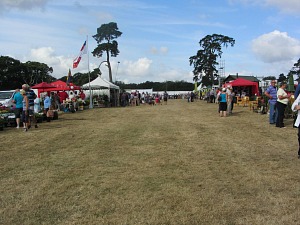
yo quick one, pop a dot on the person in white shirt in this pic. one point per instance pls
(296, 107)
(282, 101)
(37, 105)
(229, 100)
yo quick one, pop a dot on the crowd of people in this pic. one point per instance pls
(24, 99)
(62, 101)
(225, 97)
(27, 104)
(136, 98)
(278, 101)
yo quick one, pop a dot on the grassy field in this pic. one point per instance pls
(168, 164)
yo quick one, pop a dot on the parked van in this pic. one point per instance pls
(6, 99)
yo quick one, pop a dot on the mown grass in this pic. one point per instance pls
(169, 164)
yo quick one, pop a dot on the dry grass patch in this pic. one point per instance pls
(169, 164)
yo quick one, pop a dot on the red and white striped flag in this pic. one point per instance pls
(83, 50)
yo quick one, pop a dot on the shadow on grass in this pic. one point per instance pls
(237, 113)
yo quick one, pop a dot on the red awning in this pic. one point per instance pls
(243, 82)
(43, 85)
(62, 86)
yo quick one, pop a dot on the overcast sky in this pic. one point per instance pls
(158, 36)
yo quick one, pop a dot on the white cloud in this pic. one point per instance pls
(162, 50)
(144, 69)
(60, 64)
(286, 6)
(154, 50)
(174, 75)
(246, 2)
(44, 54)
(22, 4)
(139, 68)
(276, 47)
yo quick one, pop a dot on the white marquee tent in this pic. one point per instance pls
(100, 83)
(101, 86)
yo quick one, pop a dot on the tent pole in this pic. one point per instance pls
(91, 97)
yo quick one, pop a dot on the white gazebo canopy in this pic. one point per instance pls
(100, 83)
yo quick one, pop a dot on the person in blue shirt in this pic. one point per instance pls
(297, 91)
(223, 102)
(271, 93)
(18, 100)
(47, 103)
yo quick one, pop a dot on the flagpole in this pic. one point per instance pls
(91, 97)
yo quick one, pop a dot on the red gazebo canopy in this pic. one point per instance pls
(63, 86)
(243, 82)
(42, 87)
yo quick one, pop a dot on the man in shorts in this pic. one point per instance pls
(31, 96)
(18, 100)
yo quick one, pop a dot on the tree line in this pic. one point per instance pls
(14, 73)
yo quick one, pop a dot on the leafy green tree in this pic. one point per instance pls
(9, 70)
(205, 61)
(296, 69)
(281, 78)
(269, 78)
(290, 81)
(36, 72)
(80, 79)
(14, 73)
(159, 86)
(206, 81)
(105, 37)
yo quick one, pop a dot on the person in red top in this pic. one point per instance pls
(62, 95)
(82, 95)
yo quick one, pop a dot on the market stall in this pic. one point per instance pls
(102, 86)
(42, 87)
(244, 87)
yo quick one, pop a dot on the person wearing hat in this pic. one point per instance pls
(25, 112)
(282, 101)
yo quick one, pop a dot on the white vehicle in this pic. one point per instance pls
(6, 98)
